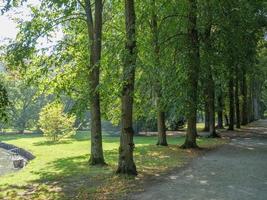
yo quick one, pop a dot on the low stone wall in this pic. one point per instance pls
(25, 154)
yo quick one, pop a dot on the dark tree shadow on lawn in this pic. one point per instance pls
(68, 177)
(19, 136)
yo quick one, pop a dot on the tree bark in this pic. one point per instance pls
(126, 163)
(256, 101)
(193, 65)
(250, 104)
(220, 112)
(244, 113)
(226, 120)
(210, 82)
(211, 98)
(231, 102)
(207, 115)
(95, 41)
(237, 108)
(162, 139)
(22, 127)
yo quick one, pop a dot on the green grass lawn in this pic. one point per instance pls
(200, 126)
(61, 171)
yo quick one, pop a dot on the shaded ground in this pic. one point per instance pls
(236, 171)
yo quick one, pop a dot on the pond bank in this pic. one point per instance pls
(6, 165)
(6, 153)
(22, 152)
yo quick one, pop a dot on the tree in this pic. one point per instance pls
(220, 110)
(68, 52)
(25, 104)
(193, 65)
(237, 104)
(207, 60)
(244, 110)
(162, 138)
(239, 25)
(126, 163)
(54, 123)
(4, 102)
(206, 111)
(177, 40)
(94, 27)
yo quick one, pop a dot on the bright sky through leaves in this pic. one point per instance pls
(8, 28)
(8, 25)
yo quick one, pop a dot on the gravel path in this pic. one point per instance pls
(236, 171)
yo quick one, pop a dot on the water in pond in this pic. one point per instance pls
(6, 164)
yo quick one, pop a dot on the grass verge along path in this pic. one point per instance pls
(61, 170)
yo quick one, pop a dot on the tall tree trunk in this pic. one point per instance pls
(193, 65)
(244, 113)
(211, 98)
(231, 102)
(95, 40)
(251, 107)
(226, 120)
(220, 111)
(162, 138)
(126, 163)
(210, 82)
(206, 103)
(256, 101)
(207, 115)
(237, 109)
(22, 127)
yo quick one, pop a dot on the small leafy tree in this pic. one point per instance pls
(54, 123)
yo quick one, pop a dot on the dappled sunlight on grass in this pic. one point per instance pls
(61, 169)
(200, 126)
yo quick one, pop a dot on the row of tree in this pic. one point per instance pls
(177, 57)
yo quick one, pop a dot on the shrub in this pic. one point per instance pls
(54, 123)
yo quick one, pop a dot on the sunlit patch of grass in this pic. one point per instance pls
(200, 126)
(61, 170)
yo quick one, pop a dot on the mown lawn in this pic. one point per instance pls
(61, 171)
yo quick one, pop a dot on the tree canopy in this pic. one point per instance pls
(158, 61)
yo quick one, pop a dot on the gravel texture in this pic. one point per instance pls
(236, 171)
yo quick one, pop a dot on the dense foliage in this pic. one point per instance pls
(4, 102)
(54, 123)
(156, 61)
